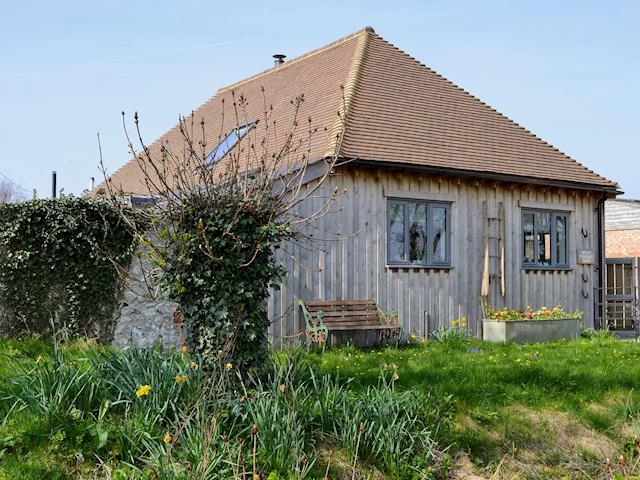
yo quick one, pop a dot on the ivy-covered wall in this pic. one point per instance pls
(59, 266)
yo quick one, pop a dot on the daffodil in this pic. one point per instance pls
(181, 378)
(167, 438)
(194, 366)
(143, 390)
(184, 349)
(282, 388)
(229, 366)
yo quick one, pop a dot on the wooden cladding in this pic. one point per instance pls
(346, 256)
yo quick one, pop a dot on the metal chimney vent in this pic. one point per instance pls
(278, 59)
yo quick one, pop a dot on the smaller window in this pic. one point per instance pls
(545, 239)
(418, 233)
(228, 142)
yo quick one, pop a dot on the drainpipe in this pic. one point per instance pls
(598, 306)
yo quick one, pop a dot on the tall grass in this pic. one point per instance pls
(184, 424)
(58, 386)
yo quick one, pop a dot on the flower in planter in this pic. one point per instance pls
(543, 313)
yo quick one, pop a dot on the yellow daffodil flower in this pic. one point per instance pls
(143, 390)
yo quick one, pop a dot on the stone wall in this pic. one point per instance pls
(145, 318)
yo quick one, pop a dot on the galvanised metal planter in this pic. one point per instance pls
(530, 331)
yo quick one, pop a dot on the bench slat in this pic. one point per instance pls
(352, 321)
(362, 327)
(350, 313)
(338, 302)
(334, 308)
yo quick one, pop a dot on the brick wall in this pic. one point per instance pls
(622, 243)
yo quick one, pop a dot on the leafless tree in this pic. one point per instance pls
(261, 165)
(263, 177)
(9, 192)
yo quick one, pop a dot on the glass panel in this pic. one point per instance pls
(544, 238)
(528, 237)
(561, 240)
(228, 142)
(417, 232)
(396, 233)
(223, 147)
(439, 228)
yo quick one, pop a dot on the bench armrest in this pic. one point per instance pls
(311, 322)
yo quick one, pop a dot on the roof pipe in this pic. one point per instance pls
(54, 178)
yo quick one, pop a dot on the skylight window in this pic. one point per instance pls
(228, 142)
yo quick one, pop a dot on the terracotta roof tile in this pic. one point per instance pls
(398, 111)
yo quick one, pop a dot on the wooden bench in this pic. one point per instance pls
(324, 317)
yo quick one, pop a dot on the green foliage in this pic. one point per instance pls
(490, 401)
(218, 262)
(57, 387)
(450, 335)
(58, 265)
(384, 426)
(283, 411)
(172, 377)
(602, 334)
(204, 427)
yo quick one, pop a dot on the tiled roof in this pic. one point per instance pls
(398, 112)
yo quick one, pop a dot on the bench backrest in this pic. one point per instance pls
(345, 312)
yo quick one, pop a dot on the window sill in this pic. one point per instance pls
(418, 267)
(534, 268)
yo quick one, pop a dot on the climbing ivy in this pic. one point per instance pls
(60, 264)
(219, 264)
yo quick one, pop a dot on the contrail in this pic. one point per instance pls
(133, 57)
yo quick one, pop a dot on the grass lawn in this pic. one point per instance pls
(498, 411)
(535, 411)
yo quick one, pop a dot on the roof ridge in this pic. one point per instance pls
(349, 90)
(568, 157)
(299, 58)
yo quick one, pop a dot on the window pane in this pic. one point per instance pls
(228, 142)
(561, 240)
(396, 233)
(544, 238)
(528, 237)
(417, 232)
(439, 229)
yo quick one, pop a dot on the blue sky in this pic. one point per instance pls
(566, 70)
